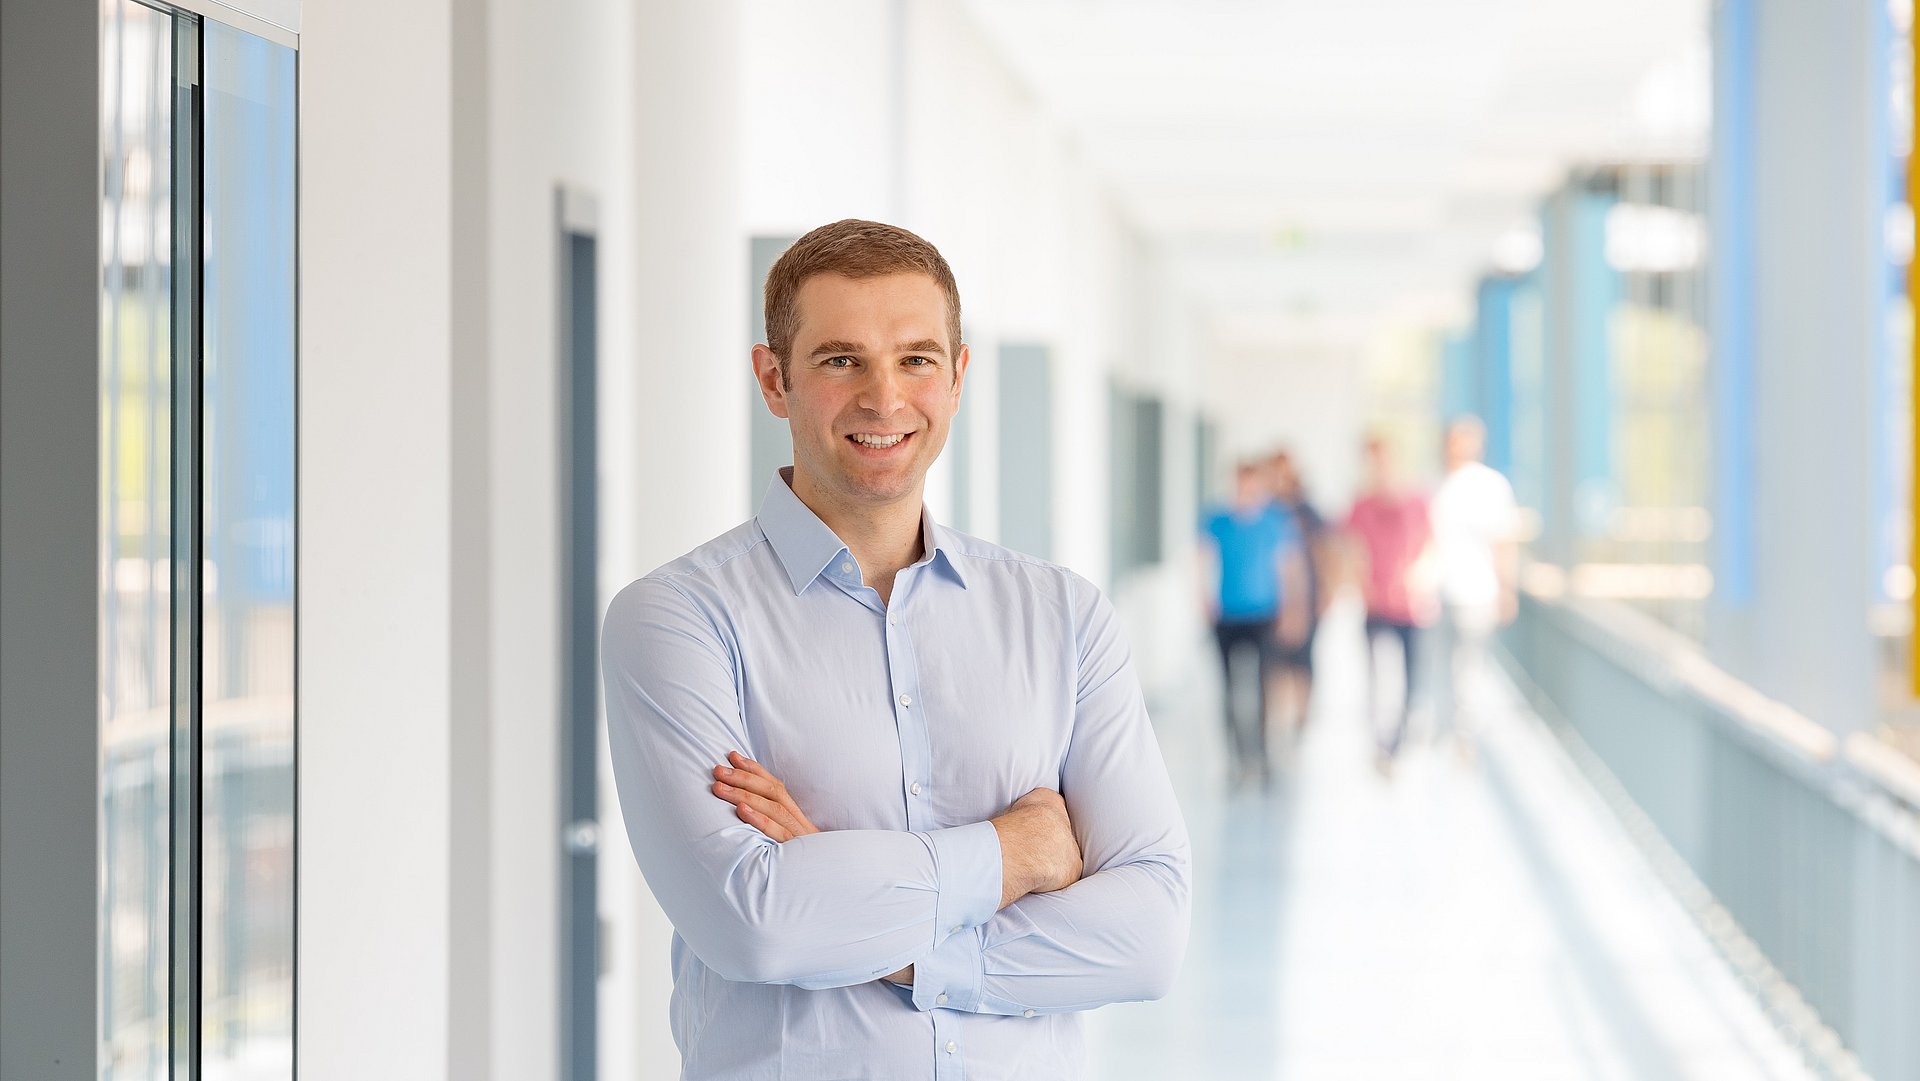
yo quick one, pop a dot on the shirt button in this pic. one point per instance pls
(952, 1047)
(940, 999)
(846, 568)
(1029, 1013)
(914, 788)
(956, 929)
(892, 620)
(906, 700)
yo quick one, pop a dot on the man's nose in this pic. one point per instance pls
(883, 392)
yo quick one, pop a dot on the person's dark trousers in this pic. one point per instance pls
(1246, 738)
(1297, 661)
(1377, 628)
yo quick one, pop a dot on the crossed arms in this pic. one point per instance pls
(993, 916)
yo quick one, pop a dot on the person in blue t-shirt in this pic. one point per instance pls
(1253, 575)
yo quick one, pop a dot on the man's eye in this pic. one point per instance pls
(919, 362)
(839, 362)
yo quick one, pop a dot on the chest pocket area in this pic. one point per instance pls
(999, 719)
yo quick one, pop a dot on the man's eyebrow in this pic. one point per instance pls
(839, 346)
(835, 347)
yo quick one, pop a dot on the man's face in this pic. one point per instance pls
(870, 388)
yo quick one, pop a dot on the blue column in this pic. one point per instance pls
(1493, 356)
(1800, 184)
(1579, 291)
(1458, 384)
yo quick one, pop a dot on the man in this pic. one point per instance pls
(1292, 674)
(1389, 527)
(894, 786)
(1252, 585)
(1476, 558)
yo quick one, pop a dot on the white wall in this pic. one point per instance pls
(376, 725)
(1309, 400)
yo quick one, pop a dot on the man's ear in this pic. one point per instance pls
(960, 372)
(766, 372)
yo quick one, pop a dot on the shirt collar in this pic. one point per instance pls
(806, 547)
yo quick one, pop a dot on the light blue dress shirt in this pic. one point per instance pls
(900, 730)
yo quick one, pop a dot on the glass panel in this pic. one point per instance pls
(247, 590)
(135, 496)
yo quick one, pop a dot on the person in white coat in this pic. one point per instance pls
(1475, 568)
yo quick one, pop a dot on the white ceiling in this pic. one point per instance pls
(1317, 168)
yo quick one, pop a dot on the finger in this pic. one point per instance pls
(770, 787)
(755, 777)
(740, 797)
(741, 761)
(768, 826)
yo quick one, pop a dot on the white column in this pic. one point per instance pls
(1802, 145)
(377, 723)
(674, 420)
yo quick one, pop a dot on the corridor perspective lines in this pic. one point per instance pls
(1481, 919)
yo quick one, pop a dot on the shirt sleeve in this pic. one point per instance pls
(1120, 933)
(825, 910)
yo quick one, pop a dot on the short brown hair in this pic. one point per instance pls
(855, 249)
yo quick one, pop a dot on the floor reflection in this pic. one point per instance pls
(1466, 917)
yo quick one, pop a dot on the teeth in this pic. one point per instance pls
(877, 440)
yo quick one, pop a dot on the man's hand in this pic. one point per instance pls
(1038, 852)
(759, 799)
(762, 801)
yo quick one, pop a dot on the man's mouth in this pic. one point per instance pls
(874, 441)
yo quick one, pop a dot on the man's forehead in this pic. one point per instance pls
(904, 311)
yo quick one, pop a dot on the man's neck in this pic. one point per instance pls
(883, 538)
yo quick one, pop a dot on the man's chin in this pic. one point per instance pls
(883, 490)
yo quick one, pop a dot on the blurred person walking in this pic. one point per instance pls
(1250, 569)
(1389, 529)
(1292, 673)
(1476, 564)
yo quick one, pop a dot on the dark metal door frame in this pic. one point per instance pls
(578, 437)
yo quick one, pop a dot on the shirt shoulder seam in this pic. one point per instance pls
(668, 573)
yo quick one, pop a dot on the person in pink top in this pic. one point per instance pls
(1390, 528)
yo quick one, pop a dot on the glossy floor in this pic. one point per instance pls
(1482, 918)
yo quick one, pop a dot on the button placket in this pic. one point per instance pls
(909, 719)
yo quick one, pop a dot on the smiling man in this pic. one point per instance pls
(895, 786)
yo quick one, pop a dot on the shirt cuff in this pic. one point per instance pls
(967, 861)
(953, 975)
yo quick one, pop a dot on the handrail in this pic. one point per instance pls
(1891, 771)
(1803, 848)
(1672, 658)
